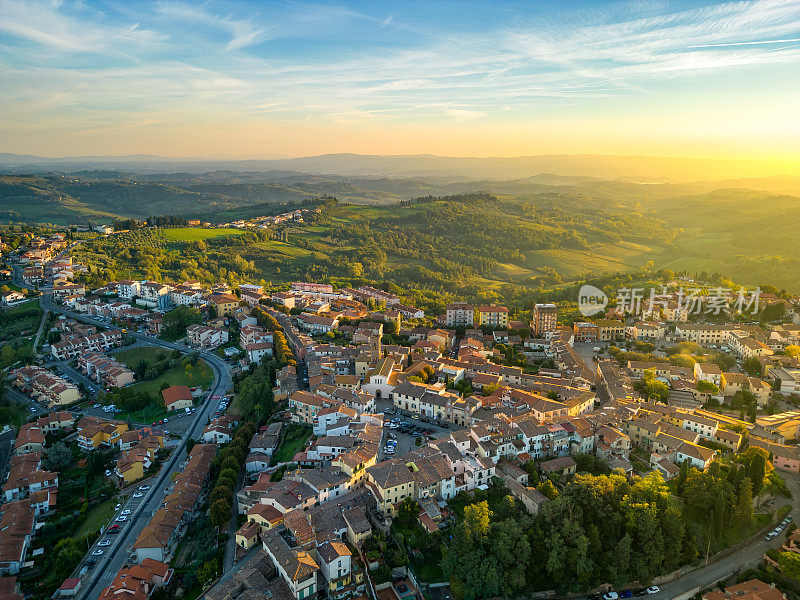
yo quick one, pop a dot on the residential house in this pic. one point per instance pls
(177, 397)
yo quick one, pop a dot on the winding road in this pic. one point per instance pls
(107, 565)
(116, 555)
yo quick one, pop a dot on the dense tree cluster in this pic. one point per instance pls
(177, 320)
(604, 528)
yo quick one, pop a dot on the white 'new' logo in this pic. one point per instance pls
(591, 300)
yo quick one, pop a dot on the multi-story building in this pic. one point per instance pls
(704, 334)
(585, 332)
(44, 385)
(367, 291)
(493, 316)
(460, 313)
(204, 336)
(335, 566)
(155, 294)
(224, 303)
(294, 565)
(105, 370)
(81, 344)
(312, 288)
(544, 319)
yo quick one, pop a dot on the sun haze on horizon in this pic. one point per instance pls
(682, 79)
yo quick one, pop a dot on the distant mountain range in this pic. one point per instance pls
(644, 169)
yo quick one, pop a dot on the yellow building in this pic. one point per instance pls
(265, 516)
(493, 316)
(391, 482)
(225, 304)
(608, 329)
(247, 536)
(94, 432)
(130, 469)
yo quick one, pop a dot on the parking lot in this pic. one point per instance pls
(177, 422)
(407, 429)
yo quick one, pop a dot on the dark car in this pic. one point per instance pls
(626, 594)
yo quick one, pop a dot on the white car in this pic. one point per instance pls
(611, 596)
(121, 518)
(127, 511)
(97, 553)
(653, 589)
(138, 495)
(104, 543)
(144, 488)
(118, 506)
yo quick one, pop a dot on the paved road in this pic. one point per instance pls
(27, 402)
(294, 343)
(77, 377)
(739, 561)
(115, 555)
(40, 331)
(6, 445)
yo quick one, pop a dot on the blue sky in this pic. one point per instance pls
(459, 78)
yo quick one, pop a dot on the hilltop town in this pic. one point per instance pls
(337, 442)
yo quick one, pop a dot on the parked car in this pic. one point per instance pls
(127, 511)
(611, 596)
(653, 589)
(121, 518)
(144, 488)
(97, 552)
(626, 594)
(104, 543)
(118, 506)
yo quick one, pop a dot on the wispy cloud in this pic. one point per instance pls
(98, 63)
(243, 32)
(45, 23)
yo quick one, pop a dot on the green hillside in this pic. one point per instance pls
(532, 233)
(481, 246)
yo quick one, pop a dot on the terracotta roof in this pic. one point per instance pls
(176, 393)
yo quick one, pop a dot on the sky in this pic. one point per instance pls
(270, 79)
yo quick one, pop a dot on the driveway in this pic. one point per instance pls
(65, 370)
